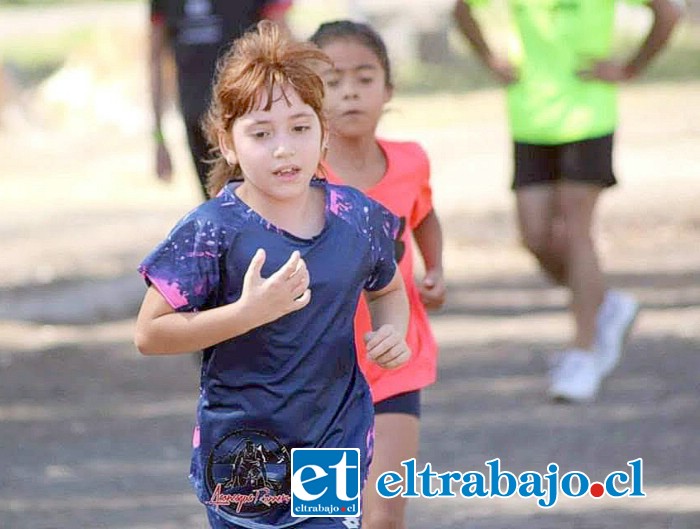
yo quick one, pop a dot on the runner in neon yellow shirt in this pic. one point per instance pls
(562, 109)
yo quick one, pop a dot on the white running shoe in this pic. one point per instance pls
(614, 322)
(575, 377)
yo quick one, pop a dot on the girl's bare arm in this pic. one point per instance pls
(162, 330)
(386, 344)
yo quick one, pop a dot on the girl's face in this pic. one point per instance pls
(278, 150)
(356, 89)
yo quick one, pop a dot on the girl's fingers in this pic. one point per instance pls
(395, 357)
(292, 264)
(299, 287)
(302, 301)
(287, 269)
(300, 268)
(378, 350)
(301, 275)
(377, 337)
(256, 263)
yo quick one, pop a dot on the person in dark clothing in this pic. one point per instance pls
(197, 31)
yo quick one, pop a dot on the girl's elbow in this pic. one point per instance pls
(144, 342)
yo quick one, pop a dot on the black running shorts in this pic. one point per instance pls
(408, 403)
(586, 161)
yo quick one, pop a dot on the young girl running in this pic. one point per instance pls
(396, 174)
(265, 277)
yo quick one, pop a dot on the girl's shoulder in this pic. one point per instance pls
(403, 150)
(368, 219)
(342, 194)
(221, 213)
(407, 163)
(349, 202)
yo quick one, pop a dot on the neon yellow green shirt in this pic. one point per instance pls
(550, 104)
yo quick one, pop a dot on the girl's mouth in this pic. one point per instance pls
(287, 172)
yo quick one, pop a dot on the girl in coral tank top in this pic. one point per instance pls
(395, 174)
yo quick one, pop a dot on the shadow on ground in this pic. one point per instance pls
(97, 436)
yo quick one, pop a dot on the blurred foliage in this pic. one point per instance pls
(35, 49)
(463, 72)
(455, 77)
(33, 57)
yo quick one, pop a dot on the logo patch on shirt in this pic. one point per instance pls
(248, 474)
(325, 482)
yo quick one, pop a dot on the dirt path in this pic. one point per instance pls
(95, 436)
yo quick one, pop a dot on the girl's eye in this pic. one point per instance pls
(301, 128)
(261, 134)
(332, 83)
(366, 80)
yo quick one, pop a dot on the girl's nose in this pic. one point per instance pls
(282, 151)
(349, 90)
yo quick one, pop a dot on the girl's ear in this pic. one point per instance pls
(388, 93)
(227, 150)
(321, 170)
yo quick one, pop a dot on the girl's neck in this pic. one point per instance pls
(357, 161)
(302, 216)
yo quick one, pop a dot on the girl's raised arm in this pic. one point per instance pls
(161, 330)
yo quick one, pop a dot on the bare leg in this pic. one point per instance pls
(577, 202)
(396, 439)
(542, 230)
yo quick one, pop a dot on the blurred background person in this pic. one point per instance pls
(196, 32)
(562, 108)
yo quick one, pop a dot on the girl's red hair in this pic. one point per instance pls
(258, 62)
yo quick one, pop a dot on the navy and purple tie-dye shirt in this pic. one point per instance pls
(291, 383)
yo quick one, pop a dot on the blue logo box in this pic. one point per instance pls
(325, 482)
